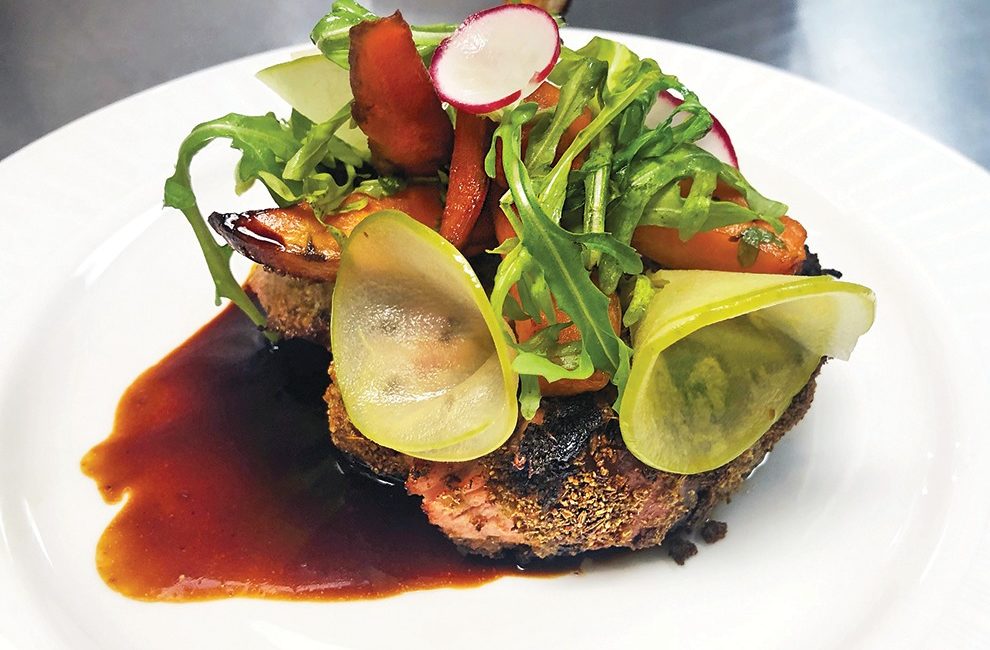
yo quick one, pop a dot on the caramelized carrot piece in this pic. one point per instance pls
(421, 202)
(294, 242)
(718, 250)
(394, 101)
(482, 236)
(468, 185)
(526, 329)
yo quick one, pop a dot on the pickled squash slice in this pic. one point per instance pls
(718, 357)
(421, 359)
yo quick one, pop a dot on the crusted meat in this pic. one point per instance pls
(564, 483)
(296, 308)
(564, 486)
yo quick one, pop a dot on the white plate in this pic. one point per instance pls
(863, 528)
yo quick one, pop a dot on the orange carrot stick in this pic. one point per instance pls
(468, 185)
(394, 101)
(718, 249)
(294, 241)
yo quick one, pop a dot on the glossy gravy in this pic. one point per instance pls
(232, 488)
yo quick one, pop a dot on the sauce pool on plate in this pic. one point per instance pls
(231, 486)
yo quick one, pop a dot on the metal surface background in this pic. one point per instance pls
(926, 62)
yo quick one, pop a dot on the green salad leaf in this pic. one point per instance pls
(295, 160)
(559, 253)
(332, 33)
(265, 144)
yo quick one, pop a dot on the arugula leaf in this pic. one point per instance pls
(749, 244)
(623, 65)
(656, 179)
(576, 93)
(542, 355)
(316, 144)
(598, 169)
(559, 255)
(637, 293)
(648, 81)
(529, 396)
(379, 188)
(265, 144)
(332, 33)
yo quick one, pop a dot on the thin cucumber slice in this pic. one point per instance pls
(718, 357)
(421, 361)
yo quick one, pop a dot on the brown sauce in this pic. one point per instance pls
(232, 488)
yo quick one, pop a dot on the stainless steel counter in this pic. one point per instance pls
(926, 62)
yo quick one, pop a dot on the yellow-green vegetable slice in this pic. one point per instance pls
(421, 361)
(317, 88)
(718, 357)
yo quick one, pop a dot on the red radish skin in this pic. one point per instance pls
(495, 57)
(715, 142)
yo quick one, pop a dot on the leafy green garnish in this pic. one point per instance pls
(295, 160)
(559, 253)
(637, 292)
(576, 93)
(265, 144)
(332, 33)
(749, 244)
(597, 170)
(321, 145)
(543, 355)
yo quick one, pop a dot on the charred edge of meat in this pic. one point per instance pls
(811, 266)
(546, 452)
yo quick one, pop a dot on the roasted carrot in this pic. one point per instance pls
(481, 237)
(394, 101)
(526, 329)
(295, 242)
(468, 185)
(718, 250)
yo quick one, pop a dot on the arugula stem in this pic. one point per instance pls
(596, 191)
(555, 183)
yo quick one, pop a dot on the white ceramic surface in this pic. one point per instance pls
(865, 528)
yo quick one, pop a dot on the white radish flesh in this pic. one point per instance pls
(495, 57)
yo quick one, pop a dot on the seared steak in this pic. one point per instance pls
(564, 483)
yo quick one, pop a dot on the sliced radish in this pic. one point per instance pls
(495, 57)
(715, 142)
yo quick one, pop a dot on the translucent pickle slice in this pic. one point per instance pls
(421, 360)
(719, 356)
